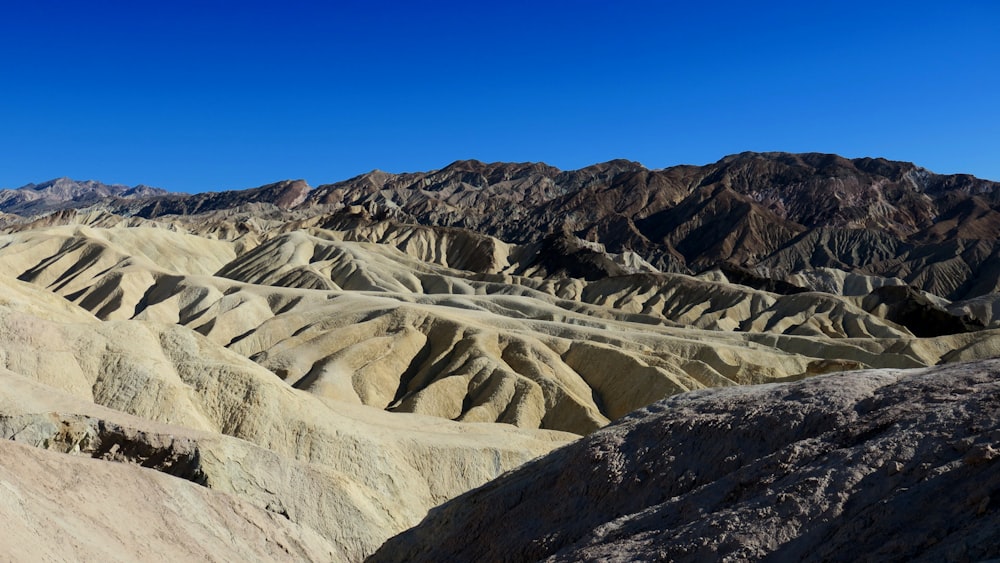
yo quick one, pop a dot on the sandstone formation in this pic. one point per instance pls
(875, 466)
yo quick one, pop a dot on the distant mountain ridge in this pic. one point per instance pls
(808, 190)
(285, 195)
(66, 193)
(774, 213)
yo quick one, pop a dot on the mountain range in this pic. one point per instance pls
(773, 213)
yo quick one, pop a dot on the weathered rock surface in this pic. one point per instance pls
(870, 466)
(446, 323)
(57, 508)
(367, 323)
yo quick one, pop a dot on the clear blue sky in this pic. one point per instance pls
(195, 96)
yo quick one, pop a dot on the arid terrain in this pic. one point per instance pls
(289, 372)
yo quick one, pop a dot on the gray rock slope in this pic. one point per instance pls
(861, 466)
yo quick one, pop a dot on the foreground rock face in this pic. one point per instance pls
(872, 465)
(58, 508)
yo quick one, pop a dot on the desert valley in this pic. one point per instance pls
(775, 355)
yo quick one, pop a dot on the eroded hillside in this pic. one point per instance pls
(462, 326)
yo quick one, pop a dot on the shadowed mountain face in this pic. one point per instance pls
(741, 209)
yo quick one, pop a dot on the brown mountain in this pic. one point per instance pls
(774, 211)
(807, 190)
(284, 195)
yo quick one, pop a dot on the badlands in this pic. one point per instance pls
(297, 373)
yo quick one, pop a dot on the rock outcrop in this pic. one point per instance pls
(57, 507)
(870, 465)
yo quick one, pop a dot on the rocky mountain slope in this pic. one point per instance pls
(863, 466)
(743, 209)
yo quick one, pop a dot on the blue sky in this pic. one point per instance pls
(195, 96)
